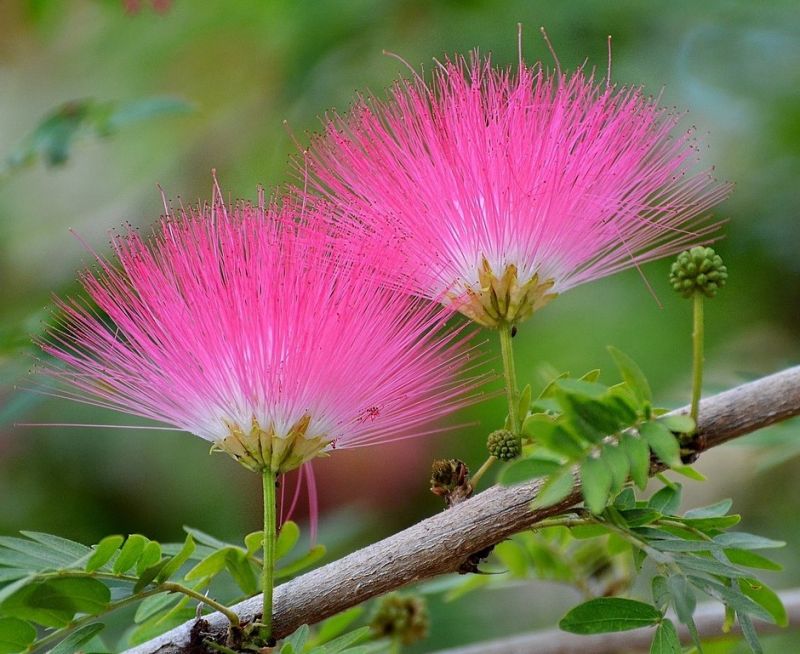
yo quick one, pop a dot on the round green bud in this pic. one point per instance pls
(504, 445)
(699, 270)
(401, 617)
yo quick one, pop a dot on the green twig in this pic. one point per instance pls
(482, 470)
(510, 377)
(172, 587)
(697, 354)
(268, 568)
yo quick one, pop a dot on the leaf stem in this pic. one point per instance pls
(510, 376)
(268, 569)
(172, 587)
(482, 470)
(697, 354)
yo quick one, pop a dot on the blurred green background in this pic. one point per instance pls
(243, 68)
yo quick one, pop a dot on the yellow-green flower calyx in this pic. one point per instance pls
(261, 448)
(503, 300)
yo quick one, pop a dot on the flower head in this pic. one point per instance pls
(507, 189)
(259, 330)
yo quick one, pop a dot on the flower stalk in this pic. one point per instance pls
(268, 570)
(512, 394)
(697, 353)
(510, 377)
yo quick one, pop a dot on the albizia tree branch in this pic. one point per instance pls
(441, 543)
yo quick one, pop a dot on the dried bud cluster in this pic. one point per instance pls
(401, 617)
(450, 480)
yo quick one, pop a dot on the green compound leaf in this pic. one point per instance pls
(73, 642)
(130, 553)
(749, 633)
(151, 556)
(253, 542)
(666, 500)
(744, 541)
(54, 602)
(23, 553)
(731, 596)
(513, 558)
(665, 640)
(751, 560)
(308, 559)
(287, 539)
(337, 624)
(681, 423)
(297, 641)
(617, 462)
(662, 442)
(638, 453)
(555, 489)
(241, 569)
(154, 604)
(709, 524)
(715, 510)
(683, 598)
(767, 598)
(209, 566)
(69, 548)
(525, 401)
(204, 539)
(633, 375)
(103, 552)
(523, 470)
(174, 564)
(148, 575)
(342, 643)
(15, 635)
(607, 614)
(596, 483)
(661, 594)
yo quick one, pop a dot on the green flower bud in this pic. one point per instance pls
(504, 445)
(401, 617)
(699, 270)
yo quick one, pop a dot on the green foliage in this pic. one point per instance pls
(302, 640)
(606, 614)
(690, 552)
(53, 590)
(600, 554)
(609, 433)
(53, 138)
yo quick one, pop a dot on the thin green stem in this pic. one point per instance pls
(185, 590)
(486, 465)
(268, 569)
(510, 376)
(697, 354)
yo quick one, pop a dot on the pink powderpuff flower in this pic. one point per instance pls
(509, 188)
(259, 330)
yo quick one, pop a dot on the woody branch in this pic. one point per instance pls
(441, 543)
